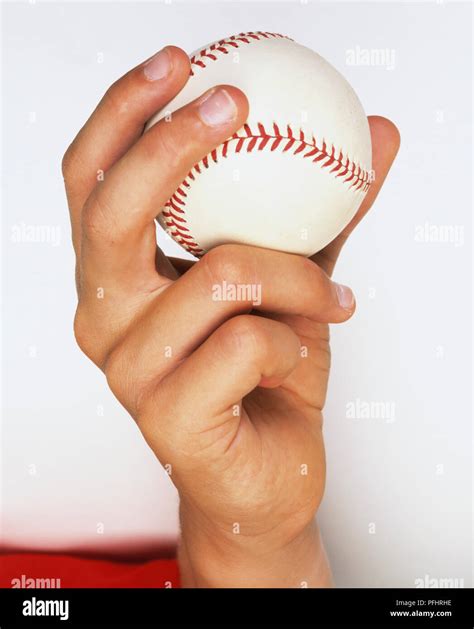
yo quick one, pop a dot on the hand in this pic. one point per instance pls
(229, 395)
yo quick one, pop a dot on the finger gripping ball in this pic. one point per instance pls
(295, 174)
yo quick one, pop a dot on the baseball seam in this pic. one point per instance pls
(224, 46)
(248, 140)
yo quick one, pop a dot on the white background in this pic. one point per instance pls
(76, 473)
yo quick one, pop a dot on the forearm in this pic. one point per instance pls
(209, 559)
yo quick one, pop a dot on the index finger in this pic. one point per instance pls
(117, 123)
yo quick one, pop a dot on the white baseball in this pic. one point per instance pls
(295, 174)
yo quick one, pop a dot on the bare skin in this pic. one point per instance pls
(230, 396)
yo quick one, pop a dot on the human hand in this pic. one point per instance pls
(229, 394)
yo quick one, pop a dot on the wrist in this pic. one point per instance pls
(211, 556)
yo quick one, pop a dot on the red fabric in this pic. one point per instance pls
(79, 572)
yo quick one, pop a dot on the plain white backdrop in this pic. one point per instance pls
(76, 473)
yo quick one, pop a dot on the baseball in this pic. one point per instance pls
(295, 174)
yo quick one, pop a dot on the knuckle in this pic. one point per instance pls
(96, 223)
(127, 382)
(89, 337)
(84, 335)
(115, 369)
(114, 98)
(148, 419)
(162, 144)
(311, 272)
(226, 262)
(68, 162)
(80, 328)
(316, 287)
(244, 336)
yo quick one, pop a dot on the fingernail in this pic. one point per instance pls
(216, 108)
(159, 66)
(345, 296)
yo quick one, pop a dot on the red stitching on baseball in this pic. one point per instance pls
(248, 139)
(174, 213)
(223, 45)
